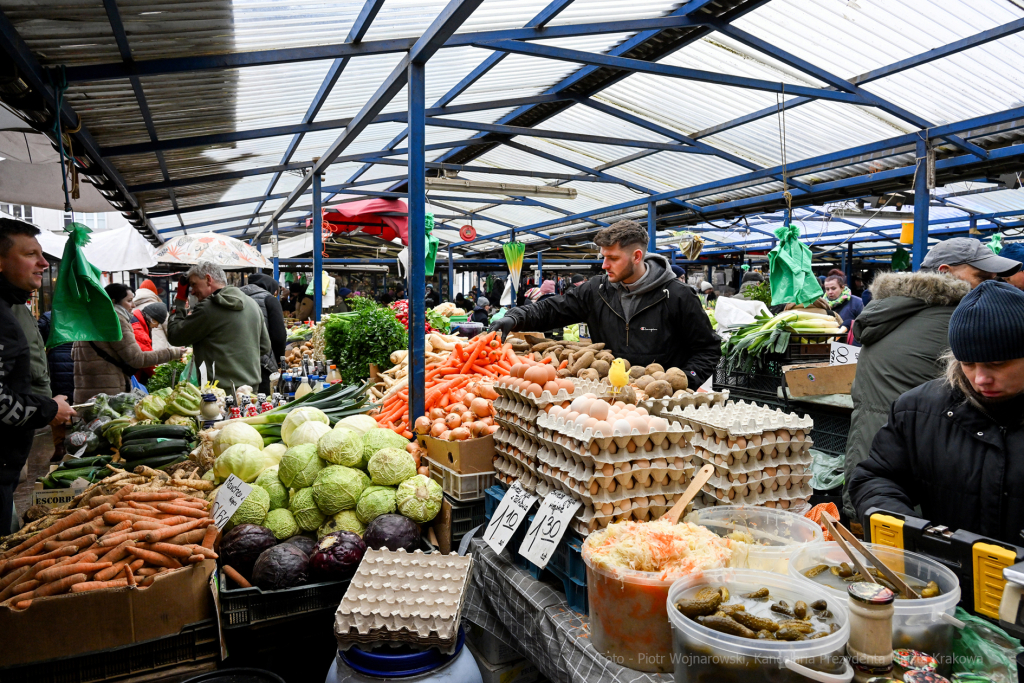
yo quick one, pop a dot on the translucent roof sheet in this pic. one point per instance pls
(845, 39)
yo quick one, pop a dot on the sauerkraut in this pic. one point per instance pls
(673, 550)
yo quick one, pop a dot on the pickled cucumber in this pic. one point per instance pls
(765, 635)
(819, 605)
(732, 609)
(782, 608)
(800, 609)
(931, 590)
(728, 625)
(705, 602)
(789, 634)
(815, 570)
(801, 626)
(759, 594)
(755, 623)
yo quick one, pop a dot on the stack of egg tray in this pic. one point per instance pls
(658, 406)
(761, 455)
(401, 597)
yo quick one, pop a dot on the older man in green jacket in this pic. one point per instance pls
(225, 330)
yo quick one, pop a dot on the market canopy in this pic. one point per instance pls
(710, 116)
(109, 250)
(378, 217)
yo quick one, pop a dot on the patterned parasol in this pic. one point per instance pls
(226, 252)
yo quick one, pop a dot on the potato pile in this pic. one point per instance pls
(654, 381)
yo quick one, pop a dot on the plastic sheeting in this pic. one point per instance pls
(109, 250)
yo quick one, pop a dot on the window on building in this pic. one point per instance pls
(18, 211)
(93, 221)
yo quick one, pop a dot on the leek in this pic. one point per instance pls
(772, 334)
(337, 401)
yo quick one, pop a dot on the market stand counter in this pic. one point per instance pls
(535, 619)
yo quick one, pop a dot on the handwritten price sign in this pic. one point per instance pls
(550, 523)
(229, 499)
(511, 512)
(843, 354)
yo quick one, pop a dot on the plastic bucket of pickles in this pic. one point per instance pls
(770, 536)
(749, 626)
(925, 625)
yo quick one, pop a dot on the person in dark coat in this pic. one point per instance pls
(482, 312)
(638, 309)
(263, 289)
(842, 300)
(58, 359)
(952, 446)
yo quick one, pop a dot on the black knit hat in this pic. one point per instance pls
(988, 325)
(156, 311)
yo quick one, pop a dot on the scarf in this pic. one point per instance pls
(843, 299)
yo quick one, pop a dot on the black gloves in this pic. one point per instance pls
(503, 325)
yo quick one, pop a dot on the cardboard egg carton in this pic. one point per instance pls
(514, 469)
(770, 444)
(526, 431)
(574, 450)
(592, 519)
(512, 442)
(739, 419)
(621, 475)
(574, 429)
(657, 406)
(405, 597)
(546, 397)
(743, 462)
(510, 409)
(593, 493)
(768, 493)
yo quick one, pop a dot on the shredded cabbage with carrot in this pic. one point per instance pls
(673, 549)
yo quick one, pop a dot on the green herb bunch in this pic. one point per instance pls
(368, 333)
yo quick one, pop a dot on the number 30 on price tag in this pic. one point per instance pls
(229, 499)
(553, 517)
(511, 512)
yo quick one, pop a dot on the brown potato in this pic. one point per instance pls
(627, 395)
(643, 381)
(589, 374)
(658, 389)
(654, 367)
(636, 373)
(678, 381)
(658, 375)
(602, 367)
(564, 373)
(606, 355)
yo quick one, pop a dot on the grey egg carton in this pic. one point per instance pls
(744, 461)
(405, 597)
(739, 419)
(657, 406)
(586, 438)
(612, 453)
(673, 482)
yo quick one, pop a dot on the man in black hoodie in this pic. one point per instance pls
(21, 411)
(263, 290)
(638, 309)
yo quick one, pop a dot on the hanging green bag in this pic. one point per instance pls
(900, 260)
(789, 266)
(432, 243)
(82, 311)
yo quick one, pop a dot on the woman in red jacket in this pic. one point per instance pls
(143, 320)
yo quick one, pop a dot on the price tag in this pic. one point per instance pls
(843, 354)
(229, 498)
(511, 512)
(551, 521)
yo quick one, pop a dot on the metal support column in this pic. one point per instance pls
(652, 227)
(417, 246)
(920, 247)
(540, 268)
(451, 275)
(318, 248)
(274, 252)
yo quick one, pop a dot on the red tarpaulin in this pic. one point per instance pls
(366, 216)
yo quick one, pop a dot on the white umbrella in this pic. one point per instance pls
(226, 252)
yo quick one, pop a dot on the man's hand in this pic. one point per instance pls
(503, 325)
(64, 411)
(182, 293)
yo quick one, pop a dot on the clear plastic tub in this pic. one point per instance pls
(628, 624)
(926, 625)
(778, 534)
(702, 655)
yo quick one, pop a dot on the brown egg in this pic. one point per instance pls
(551, 387)
(536, 375)
(534, 390)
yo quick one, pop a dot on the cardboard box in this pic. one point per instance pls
(819, 379)
(54, 497)
(462, 457)
(77, 623)
(519, 671)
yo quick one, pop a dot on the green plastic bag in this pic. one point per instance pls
(982, 647)
(789, 270)
(900, 260)
(432, 243)
(995, 243)
(82, 311)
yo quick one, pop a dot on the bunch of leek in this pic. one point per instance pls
(337, 402)
(767, 334)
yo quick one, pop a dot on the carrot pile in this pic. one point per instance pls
(127, 538)
(483, 358)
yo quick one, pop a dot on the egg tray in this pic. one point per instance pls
(758, 445)
(589, 522)
(546, 398)
(761, 485)
(529, 465)
(788, 491)
(510, 440)
(745, 463)
(793, 504)
(655, 406)
(738, 419)
(624, 474)
(508, 407)
(644, 482)
(620, 438)
(407, 597)
(566, 447)
(530, 432)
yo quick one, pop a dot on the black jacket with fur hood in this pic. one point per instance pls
(903, 334)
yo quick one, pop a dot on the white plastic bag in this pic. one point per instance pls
(733, 313)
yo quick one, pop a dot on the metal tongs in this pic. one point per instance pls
(840, 532)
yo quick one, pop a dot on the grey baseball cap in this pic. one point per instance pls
(964, 250)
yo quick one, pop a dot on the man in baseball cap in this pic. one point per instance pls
(969, 260)
(1015, 252)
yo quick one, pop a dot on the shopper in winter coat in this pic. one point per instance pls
(542, 293)
(482, 312)
(750, 279)
(263, 290)
(145, 321)
(58, 361)
(638, 309)
(107, 367)
(225, 329)
(952, 446)
(842, 300)
(147, 294)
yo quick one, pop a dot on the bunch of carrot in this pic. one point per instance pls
(483, 357)
(125, 539)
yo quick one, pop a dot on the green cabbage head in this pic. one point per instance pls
(378, 438)
(253, 509)
(391, 466)
(338, 488)
(306, 513)
(234, 433)
(309, 432)
(419, 498)
(242, 460)
(269, 482)
(357, 423)
(299, 466)
(297, 418)
(375, 501)
(282, 522)
(273, 453)
(341, 447)
(346, 520)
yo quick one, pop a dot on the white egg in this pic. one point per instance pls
(622, 427)
(599, 410)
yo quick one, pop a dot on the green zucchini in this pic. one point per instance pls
(90, 461)
(159, 461)
(156, 431)
(152, 448)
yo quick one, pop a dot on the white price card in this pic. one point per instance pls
(551, 521)
(511, 512)
(229, 498)
(843, 354)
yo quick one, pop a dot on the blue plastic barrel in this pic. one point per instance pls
(357, 665)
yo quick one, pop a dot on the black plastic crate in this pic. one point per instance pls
(465, 518)
(240, 607)
(194, 643)
(759, 384)
(830, 431)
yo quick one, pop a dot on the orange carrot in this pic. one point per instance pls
(80, 542)
(26, 587)
(210, 537)
(194, 536)
(113, 570)
(162, 534)
(236, 577)
(564, 364)
(182, 510)
(56, 587)
(74, 519)
(98, 585)
(54, 573)
(176, 551)
(26, 576)
(147, 496)
(33, 559)
(159, 559)
(129, 575)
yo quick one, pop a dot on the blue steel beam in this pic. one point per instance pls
(417, 236)
(839, 83)
(318, 246)
(497, 171)
(656, 69)
(237, 60)
(359, 28)
(121, 38)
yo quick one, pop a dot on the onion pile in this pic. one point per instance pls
(469, 418)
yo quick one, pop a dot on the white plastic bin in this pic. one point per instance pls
(778, 534)
(925, 625)
(702, 655)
